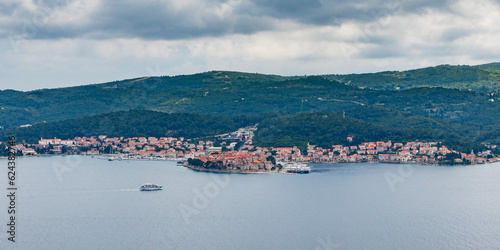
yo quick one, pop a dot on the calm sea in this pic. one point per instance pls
(88, 203)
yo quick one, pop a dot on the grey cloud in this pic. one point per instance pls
(154, 20)
(454, 34)
(384, 51)
(288, 7)
(143, 19)
(422, 5)
(7, 9)
(157, 19)
(331, 12)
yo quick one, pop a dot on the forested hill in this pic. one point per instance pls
(322, 129)
(325, 129)
(131, 124)
(234, 93)
(189, 93)
(484, 78)
(469, 114)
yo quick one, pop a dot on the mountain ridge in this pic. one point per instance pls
(494, 66)
(241, 94)
(469, 113)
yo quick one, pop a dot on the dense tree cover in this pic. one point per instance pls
(491, 135)
(480, 78)
(131, 124)
(223, 97)
(195, 162)
(9, 93)
(207, 165)
(326, 129)
(168, 94)
(396, 119)
(323, 129)
(4, 150)
(235, 93)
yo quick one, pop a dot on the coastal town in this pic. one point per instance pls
(235, 152)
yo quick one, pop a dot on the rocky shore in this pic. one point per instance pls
(231, 171)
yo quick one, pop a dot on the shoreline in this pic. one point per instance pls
(103, 157)
(99, 157)
(221, 171)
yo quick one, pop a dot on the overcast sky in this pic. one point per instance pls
(49, 43)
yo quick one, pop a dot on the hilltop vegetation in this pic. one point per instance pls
(479, 78)
(432, 103)
(130, 124)
(218, 93)
(323, 129)
(326, 129)
(169, 94)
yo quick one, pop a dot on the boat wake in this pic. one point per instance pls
(113, 190)
(122, 190)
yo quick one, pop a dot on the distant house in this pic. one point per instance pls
(214, 150)
(470, 158)
(56, 150)
(392, 158)
(29, 151)
(480, 160)
(67, 142)
(493, 160)
(384, 157)
(44, 141)
(404, 153)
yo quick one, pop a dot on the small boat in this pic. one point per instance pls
(150, 187)
(180, 163)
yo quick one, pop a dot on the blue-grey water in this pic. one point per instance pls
(88, 203)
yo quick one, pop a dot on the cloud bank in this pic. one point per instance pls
(70, 42)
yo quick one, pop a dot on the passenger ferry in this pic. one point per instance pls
(297, 168)
(150, 187)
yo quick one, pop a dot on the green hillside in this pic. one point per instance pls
(479, 78)
(323, 129)
(429, 98)
(169, 94)
(326, 129)
(130, 124)
(210, 94)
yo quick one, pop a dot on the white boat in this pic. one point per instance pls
(297, 168)
(150, 187)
